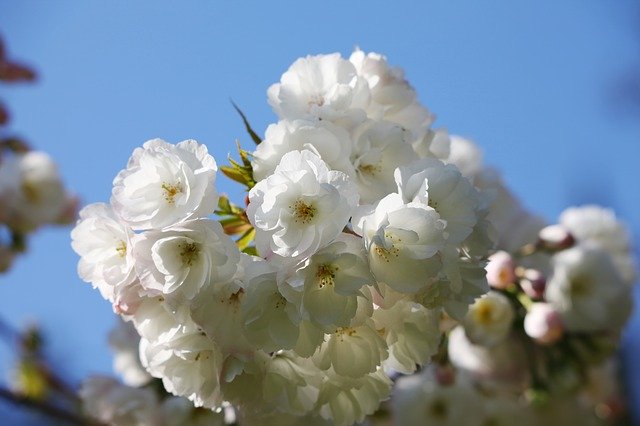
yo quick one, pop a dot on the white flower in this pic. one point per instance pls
(164, 184)
(587, 290)
(513, 225)
(301, 207)
(392, 98)
(290, 383)
(420, 400)
(328, 141)
(332, 279)
(466, 156)
(188, 363)
(218, 311)
(352, 351)
(435, 143)
(443, 188)
(389, 89)
(155, 321)
(379, 147)
(402, 241)
(503, 367)
(489, 319)
(103, 242)
(124, 342)
(411, 332)
(543, 323)
(344, 401)
(110, 402)
(324, 86)
(177, 411)
(31, 191)
(462, 281)
(598, 226)
(270, 319)
(181, 259)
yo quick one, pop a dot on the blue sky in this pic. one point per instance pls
(532, 82)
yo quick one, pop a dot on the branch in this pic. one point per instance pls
(46, 409)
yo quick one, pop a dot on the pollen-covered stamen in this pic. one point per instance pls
(342, 332)
(433, 203)
(370, 169)
(171, 190)
(317, 100)
(189, 253)
(579, 286)
(121, 248)
(326, 275)
(484, 313)
(302, 211)
(281, 302)
(386, 253)
(30, 191)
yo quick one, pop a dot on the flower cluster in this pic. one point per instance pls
(543, 336)
(32, 193)
(365, 236)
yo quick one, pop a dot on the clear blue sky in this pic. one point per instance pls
(532, 82)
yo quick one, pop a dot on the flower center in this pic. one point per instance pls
(433, 204)
(326, 275)
(189, 253)
(438, 409)
(342, 332)
(170, 191)
(370, 169)
(121, 248)
(303, 212)
(579, 286)
(317, 100)
(30, 191)
(484, 313)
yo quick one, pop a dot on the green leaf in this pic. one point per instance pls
(234, 174)
(246, 238)
(223, 205)
(254, 135)
(251, 250)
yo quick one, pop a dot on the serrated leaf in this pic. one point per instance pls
(254, 136)
(234, 174)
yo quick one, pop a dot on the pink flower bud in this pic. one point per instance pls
(500, 270)
(555, 237)
(543, 324)
(533, 282)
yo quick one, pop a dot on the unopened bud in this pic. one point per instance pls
(555, 237)
(543, 324)
(533, 283)
(500, 270)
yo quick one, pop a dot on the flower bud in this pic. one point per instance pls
(500, 270)
(543, 324)
(533, 282)
(555, 237)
